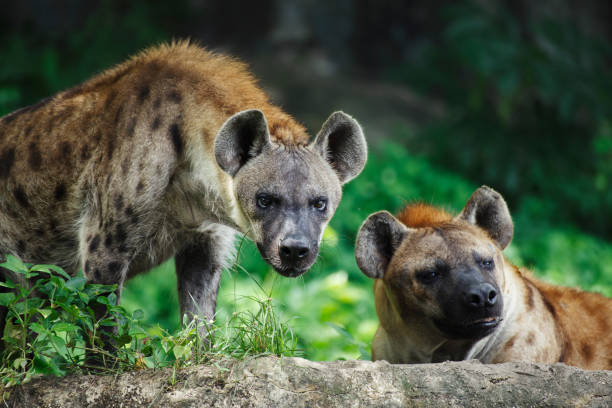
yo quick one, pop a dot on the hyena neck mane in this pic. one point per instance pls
(421, 215)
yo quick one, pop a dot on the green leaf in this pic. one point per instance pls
(123, 340)
(78, 283)
(14, 264)
(38, 328)
(49, 268)
(138, 314)
(64, 327)
(44, 365)
(8, 284)
(6, 298)
(180, 351)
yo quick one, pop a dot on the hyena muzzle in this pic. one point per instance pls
(169, 154)
(444, 291)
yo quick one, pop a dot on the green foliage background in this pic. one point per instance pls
(526, 106)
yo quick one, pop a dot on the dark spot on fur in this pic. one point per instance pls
(131, 127)
(156, 123)
(530, 302)
(110, 99)
(175, 96)
(60, 192)
(28, 130)
(119, 202)
(110, 147)
(34, 157)
(97, 275)
(39, 231)
(120, 233)
(21, 247)
(143, 94)
(115, 267)
(108, 242)
(157, 103)
(21, 197)
(564, 348)
(530, 338)
(550, 307)
(587, 351)
(177, 141)
(65, 151)
(108, 180)
(118, 114)
(510, 343)
(85, 152)
(87, 266)
(6, 162)
(125, 166)
(123, 248)
(53, 226)
(139, 187)
(93, 245)
(98, 136)
(158, 170)
(129, 211)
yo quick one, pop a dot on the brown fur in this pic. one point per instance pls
(541, 322)
(420, 215)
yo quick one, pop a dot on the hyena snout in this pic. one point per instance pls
(478, 296)
(293, 250)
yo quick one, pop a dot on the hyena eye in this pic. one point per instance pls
(487, 264)
(319, 204)
(264, 201)
(428, 276)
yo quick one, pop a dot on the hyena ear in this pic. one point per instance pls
(487, 209)
(378, 238)
(242, 137)
(342, 144)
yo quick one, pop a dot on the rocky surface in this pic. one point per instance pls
(295, 382)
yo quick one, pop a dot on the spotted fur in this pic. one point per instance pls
(145, 161)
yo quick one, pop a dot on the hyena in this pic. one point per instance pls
(169, 154)
(444, 291)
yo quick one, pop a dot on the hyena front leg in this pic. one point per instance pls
(198, 268)
(106, 254)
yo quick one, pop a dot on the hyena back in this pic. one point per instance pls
(151, 159)
(444, 291)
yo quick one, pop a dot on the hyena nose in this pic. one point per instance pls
(483, 295)
(293, 250)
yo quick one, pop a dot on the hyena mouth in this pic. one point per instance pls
(290, 272)
(473, 330)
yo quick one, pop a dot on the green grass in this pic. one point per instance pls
(51, 328)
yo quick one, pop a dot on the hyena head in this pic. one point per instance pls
(447, 275)
(288, 194)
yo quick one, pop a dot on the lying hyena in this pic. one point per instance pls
(444, 291)
(168, 154)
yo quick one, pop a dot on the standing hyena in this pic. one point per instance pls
(444, 291)
(159, 157)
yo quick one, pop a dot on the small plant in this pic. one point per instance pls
(51, 328)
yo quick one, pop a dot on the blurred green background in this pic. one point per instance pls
(451, 95)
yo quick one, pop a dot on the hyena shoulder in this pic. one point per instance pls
(583, 321)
